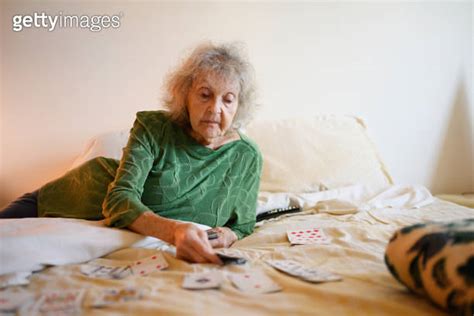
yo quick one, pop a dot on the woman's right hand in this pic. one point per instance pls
(193, 245)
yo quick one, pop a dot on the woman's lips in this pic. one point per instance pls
(210, 122)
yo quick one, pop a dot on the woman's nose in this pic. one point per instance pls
(216, 106)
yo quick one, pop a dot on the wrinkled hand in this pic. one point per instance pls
(192, 244)
(225, 237)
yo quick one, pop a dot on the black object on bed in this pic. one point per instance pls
(277, 212)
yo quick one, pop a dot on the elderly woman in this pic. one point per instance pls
(189, 164)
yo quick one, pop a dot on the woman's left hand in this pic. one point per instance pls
(225, 237)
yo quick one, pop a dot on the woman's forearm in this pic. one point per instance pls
(190, 241)
(150, 224)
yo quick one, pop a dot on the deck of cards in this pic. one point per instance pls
(307, 236)
(308, 274)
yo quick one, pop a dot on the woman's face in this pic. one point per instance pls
(212, 104)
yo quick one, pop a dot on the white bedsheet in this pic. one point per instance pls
(350, 199)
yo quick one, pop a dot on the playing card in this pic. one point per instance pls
(202, 280)
(255, 282)
(116, 295)
(60, 303)
(17, 278)
(101, 271)
(230, 259)
(305, 273)
(11, 301)
(319, 276)
(148, 265)
(307, 236)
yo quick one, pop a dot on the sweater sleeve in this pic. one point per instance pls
(244, 216)
(122, 204)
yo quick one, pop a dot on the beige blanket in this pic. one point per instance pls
(355, 252)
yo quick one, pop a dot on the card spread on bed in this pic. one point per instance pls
(254, 282)
(307, 236)
(10, 301)
(148, 265)
(117, 295)
(59, 303)
(305, 273)
(140, 267)
(203, 280)
(103, 271)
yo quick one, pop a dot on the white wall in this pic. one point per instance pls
(406, 68)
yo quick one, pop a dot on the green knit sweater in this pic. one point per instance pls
(166, 171)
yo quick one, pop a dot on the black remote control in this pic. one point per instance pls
(277, 212)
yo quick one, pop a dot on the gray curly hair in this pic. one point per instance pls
(226, 60)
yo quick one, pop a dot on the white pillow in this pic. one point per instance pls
(108, 145)
(59, 241)
(317, 153)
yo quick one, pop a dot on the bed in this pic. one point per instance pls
(353, 200)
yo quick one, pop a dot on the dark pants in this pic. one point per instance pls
(24, 206)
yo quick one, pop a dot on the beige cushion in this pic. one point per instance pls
(323, 152)
(108, 145)
(300, 155)
(465, 199)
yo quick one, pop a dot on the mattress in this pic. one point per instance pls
(355, 252)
